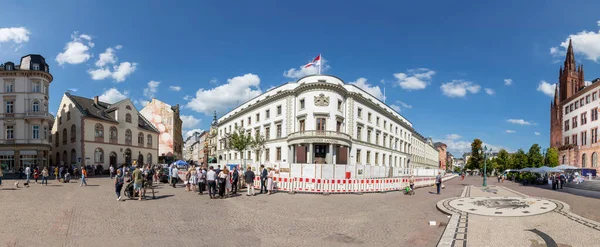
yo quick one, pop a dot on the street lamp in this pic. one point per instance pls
(485, 150)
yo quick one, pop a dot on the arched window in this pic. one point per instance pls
(583, 160)
(73, 156)
(99, 131)
(128, 118)
(68, 116)
(564, 159)
(149, 140)
(594, 159)
(128, 137)
(64, 136)
(141, 139)
(73, 134)
(36, 106)
(64, 157)
(56, 141)
(128, 107)
(149, 158)
(99, 156)
(114, 134)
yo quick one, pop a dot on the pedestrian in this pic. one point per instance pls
(60, 172)
(228, 182)
(499, 178)
(249, 178)
(235, 177)
(193, 180)
(36, 174)
(222, 178)
(119, 180)
(263, 178)
(438, 182)
(1, 175)
(27, 173)
(83, 176)
(174, 176)
(201, 180)
(270, 180)
(462, 176)
(56, 173)
(111, 169)
(211, 176)
(188, 177)
(138, 180)
(45, 175)
(411, 182)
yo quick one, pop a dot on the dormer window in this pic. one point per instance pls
(9, 67)
(35, 66)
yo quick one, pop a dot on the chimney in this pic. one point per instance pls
(96, 100)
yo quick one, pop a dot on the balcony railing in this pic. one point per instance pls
(325, 135)
(38, 114)
(24, 141)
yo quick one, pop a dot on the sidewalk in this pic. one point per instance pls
(499, 216)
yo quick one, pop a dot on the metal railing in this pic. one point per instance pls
(319, 133)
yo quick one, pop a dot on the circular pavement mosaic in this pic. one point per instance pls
(503, 206)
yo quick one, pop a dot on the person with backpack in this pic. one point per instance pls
(438, 182)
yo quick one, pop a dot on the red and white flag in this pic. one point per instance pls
(315, 62)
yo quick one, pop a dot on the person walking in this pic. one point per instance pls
(45, 175)
(235, 178)
(270, 180)
(438, 182)
(222, 177)
(174, 176)
(119, 181)
(111, 169)
(193, 180)
(27, 173)
(228, 182)
(249, 178)
(411, 182)
(211, 176)
(201, 180)
(1, 175)
(56, 173)
(263, 178)
(188, 177)
(83, 176)
(138, 180)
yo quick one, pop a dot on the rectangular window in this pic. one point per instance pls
(267, 154)
(36, 132)
(385, 125)
(594, 96)
(339, 105)
(576, 105)
(257, 117)
(368, 135)
(587, 99)
(10, 107)
(567, 110)
(278, 128)
(566, 125)
(10, 132)
(358, 156)
(376, 158)
(35, 66)
(594, 114)
(574, 139)
(278, 154)
(369, 117)
(594, 135)
(302, 125)
(267, 133)
(571, 107)
(358, 133)
(581, 102)
(9, 87)
(267, 114)
(383, 159)
(567, 140)
(249, 120)
(583, 118)
(36, 87)
(377, 121)
(278, 110)
(574, 122)
(359, 113)
(338, 126)
(46, 133)
(376, 138)
(584, 138)
(235, 156)
(368, 157)
(302, 106)
(320, 124)
(242, 123)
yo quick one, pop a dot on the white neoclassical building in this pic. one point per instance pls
(24, 119)
(321, 119)
(92, 132)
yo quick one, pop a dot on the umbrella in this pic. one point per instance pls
(180, 163)
(565, 167)
(528, 169)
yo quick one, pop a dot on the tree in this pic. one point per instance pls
(552, 157)
(534, 156)
(240, 141)
(519, 159)
(503, 160)
(476, 159)
(258, 145)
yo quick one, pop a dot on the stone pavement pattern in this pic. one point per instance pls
(498, 216)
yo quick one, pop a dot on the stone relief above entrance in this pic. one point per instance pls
(321, 100)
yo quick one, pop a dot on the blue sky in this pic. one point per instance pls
(437, 60)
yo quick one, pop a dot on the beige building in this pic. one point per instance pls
(166, 119)
(91, 132)
(24, 118)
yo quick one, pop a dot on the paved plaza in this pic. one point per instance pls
(69, 215)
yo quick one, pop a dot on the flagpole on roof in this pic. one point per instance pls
(320, 58)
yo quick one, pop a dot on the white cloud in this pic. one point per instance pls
(395, 107)
(302, 71)
(236, 91)
(189, 133)
(113, 95)
(414, 79)
(546, 88)
(507, 82)
(214, 81)
(151, 89)
(453, 137)
(586, 43)
(100, 74)
(77, 50)
(16, 35)
(489, 91)
(372, 90)
(107, 57)
(189, 122)
(510, 131)
(518, 121)
(123, 70)
(459, 88)
(187, 98)
(400, 103)
(175, 88)
(536, 133)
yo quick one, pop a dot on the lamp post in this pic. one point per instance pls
(485, 150)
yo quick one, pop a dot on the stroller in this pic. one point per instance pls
(131, 194)
(67, 178)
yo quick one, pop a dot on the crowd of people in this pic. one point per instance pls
(60, 173)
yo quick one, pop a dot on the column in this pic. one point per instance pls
(329, 155)
(291, 150)
(334, 151)
(309, 154)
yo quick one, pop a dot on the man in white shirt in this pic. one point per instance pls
(211, 177)
(174, 176)
(112, 171)
(27, 173)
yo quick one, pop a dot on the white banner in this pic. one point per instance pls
(327, 172)
(296, 171)
(308, 171)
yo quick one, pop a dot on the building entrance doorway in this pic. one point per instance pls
(320, 154)
(113, 159)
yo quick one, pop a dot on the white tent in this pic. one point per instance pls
(528, 169)
(545, 169)
(565, 167)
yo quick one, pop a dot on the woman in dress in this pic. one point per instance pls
(270, 180)
(193, 179)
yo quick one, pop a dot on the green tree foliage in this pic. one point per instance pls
(503, 160)
(552, 157)
(240, 141)
(476, 159)
(519, 160)
(534, 156)
(258, 145)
